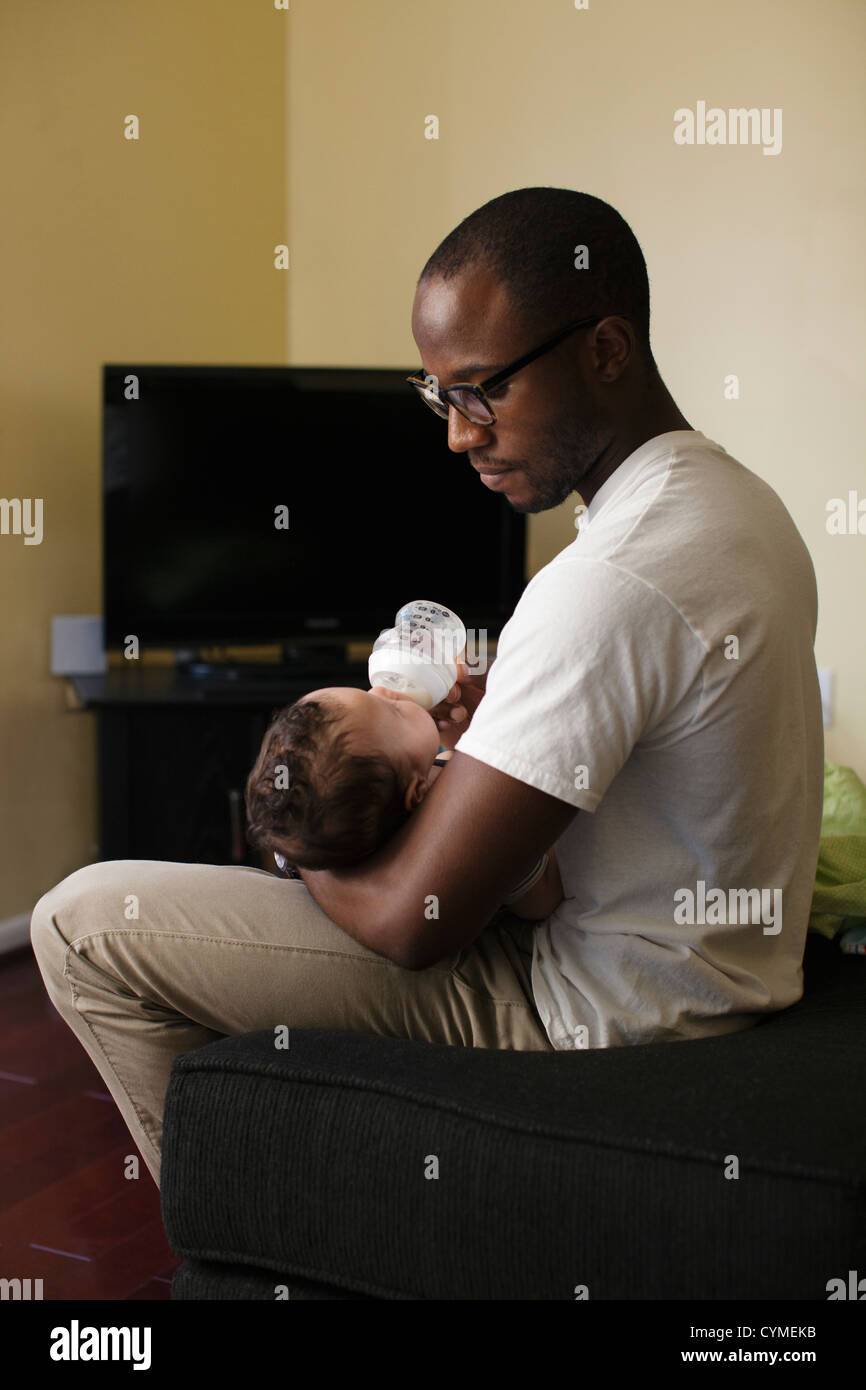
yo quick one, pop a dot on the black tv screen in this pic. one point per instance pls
(378, 509)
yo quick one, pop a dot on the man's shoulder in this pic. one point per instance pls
(690, 535)
(686, 514)
(583, 599)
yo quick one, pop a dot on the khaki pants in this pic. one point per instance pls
(145, 960)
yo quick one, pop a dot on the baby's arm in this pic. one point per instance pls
(540, 900)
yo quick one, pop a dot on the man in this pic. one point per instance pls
(653, 710)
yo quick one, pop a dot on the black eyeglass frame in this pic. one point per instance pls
(426, 391)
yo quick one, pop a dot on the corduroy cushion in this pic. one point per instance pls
(305, 1171)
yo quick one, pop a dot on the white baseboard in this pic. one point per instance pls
(15, 933)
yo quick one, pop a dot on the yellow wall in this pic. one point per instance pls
(160, 250)
(755, 261)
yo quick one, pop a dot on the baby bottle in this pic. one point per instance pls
(418, 656)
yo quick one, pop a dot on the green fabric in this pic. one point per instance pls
(839, 900)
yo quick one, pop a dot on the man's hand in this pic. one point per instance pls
(453, 715)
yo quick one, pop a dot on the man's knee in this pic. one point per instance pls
(74, 908)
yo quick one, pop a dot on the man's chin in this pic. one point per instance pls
(529, 500)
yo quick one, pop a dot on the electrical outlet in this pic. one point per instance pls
(825, 680)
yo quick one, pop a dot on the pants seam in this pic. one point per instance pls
(101, 1048)
(372, 959)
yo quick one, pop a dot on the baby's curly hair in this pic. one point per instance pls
(312, 801)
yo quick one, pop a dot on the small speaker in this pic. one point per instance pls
(77, 646)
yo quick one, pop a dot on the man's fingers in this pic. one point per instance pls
(455, 716)
(450, 699)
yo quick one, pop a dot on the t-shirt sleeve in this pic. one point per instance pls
(591, 661)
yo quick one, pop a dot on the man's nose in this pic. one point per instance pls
(464, 434)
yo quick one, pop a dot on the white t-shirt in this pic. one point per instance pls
(659, 674)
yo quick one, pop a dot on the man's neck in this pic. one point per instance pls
(636, 433)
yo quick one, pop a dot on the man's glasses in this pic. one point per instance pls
(471, 400)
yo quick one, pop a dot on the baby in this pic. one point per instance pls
(340, 770)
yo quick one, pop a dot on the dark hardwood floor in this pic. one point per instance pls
(68, 1216)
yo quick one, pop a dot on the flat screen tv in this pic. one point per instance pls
(255, 504)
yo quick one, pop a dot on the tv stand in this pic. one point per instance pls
(295, 663)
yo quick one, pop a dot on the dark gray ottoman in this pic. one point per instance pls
(304, 1170)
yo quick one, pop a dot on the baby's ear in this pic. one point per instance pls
(416, 791)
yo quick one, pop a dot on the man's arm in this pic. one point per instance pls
(435, 885)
